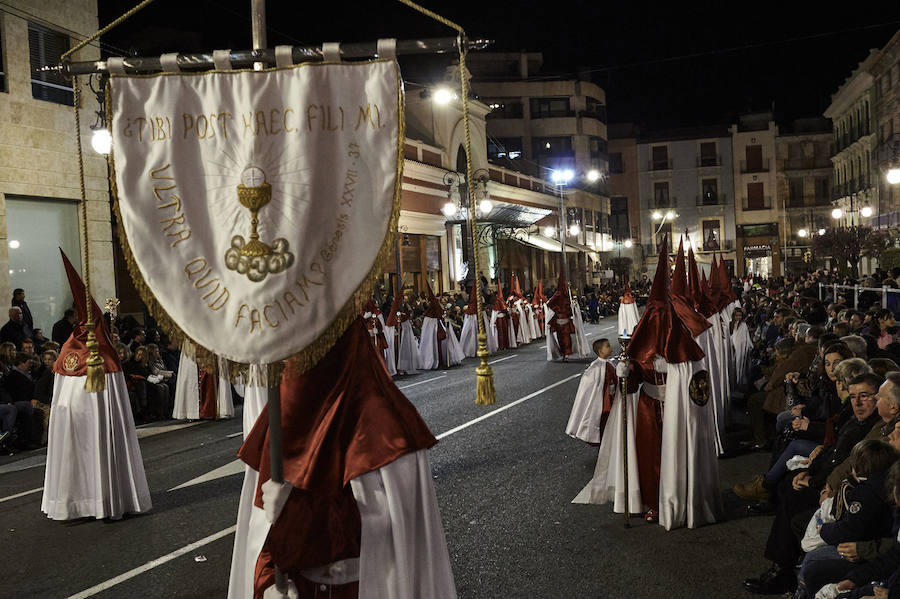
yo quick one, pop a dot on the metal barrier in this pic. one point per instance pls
(857, 289)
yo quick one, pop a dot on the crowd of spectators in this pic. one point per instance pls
(149, 361)
(824, 400)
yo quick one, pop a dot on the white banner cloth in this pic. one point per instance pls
(256, 204)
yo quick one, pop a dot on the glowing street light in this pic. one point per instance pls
(893, 176)
(101, 141)
(444, 96)
(866, 211)
(593, 175)
(485, 206)
(670, 215)
(574, 230)
(449, 209)
(549, 231)
(562, 177)
(656, 215)
(821, 231)
(802, 233)
(628, 243)
(837, 213)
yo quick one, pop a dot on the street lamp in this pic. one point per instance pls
(443, 96)
(821, 231)
(101, 141)
(865, 211)
(628, 243)
(893, 176)
(837, 213)
(802, 233)
(574, 230)
(593, 175)
(549, 231)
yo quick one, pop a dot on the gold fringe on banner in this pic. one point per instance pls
(305, 359)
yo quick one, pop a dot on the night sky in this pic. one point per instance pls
(662, 64)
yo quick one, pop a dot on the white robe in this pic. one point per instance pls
(718, 377)
(708, 340)
(408, 357)
(511, 327)
(524, 334)
(252, 526)
(742, 345)
(468, 337)
(491, 334)
(628, 318)
(532, 321)
(553, 351)
(689, 493)
(581, 347)
(429, 359)
(402, 551)
(452, 351)
(587, 409)
(224, 400)
(94, 465)
(608, 483)
(187, 389)
(390, 361)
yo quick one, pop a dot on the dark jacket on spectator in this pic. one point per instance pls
(852, 432)
(19, 385)
(43, 387)
(62, 329)
(866, 513)
(14, 332)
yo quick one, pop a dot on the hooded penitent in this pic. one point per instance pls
(628, 312)
(399, 334)
(681, 299)
(468, 337)
(433, 334)
(501, 322)
(561, 324)
(94, 466)
(360, 500)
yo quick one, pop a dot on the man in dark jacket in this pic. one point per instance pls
(798, 498)
(63, 327)
(18, 300)
(14, 330)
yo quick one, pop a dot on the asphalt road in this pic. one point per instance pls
(504, 484)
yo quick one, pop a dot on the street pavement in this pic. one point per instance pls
(505, 477)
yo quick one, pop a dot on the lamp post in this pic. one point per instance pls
(562, 178)
(662, 217)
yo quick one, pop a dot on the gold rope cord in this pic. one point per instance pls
(305, 359)
(485, 394)
(95, 379)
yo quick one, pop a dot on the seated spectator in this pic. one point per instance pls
(156, 403)
(14, 329)
(856, 344)
(43, 391)
(17, 390)
(882, 366)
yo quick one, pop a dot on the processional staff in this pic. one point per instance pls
(624, 340)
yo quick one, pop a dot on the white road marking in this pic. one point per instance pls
(22, 494)
(507, 406)
(229, 469)
(501, 359)
(32, 462)
(421, 382)
(150, 431)
(152, 564)
(234, 434)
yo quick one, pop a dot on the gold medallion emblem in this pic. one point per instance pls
(70, 362)
(699, 388)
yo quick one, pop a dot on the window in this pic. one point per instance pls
(615, 163)
(665, 233)
(37, 228)
(754, 162)
(553, 152)
(708, 154)
(598, 146)
(710, 192)
(2, 64)
(542, 108)
(712, 235)
(601, 219)
(822, 191)
(595, 109)
(618, 217)
(589, 220)
(504, 108)
(505, 147)
(756, 199)
(795, 192)
(661, 194)
(46, 47)
(660, 158)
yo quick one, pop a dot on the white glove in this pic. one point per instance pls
(274, 497)
(273, 593)
(622, 369)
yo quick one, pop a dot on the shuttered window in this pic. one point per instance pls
(2, 64)
(45, 48)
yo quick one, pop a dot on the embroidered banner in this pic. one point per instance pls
(256, 206)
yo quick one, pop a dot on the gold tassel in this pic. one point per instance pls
(485, 394)
(96, 376)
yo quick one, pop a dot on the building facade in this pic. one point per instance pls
(686, 184)
(758, 220)
(39, 185)
(624, 196)
(885, 71)
(803, 167)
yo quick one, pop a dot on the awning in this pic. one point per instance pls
(542, 242)
(507, 214)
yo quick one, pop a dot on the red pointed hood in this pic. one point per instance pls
(627, 298)
(660, 330)
(74, 353)
(518, 290)
(472, 308)
(396, 306)
(681, 298)
(499, 304)
(434, 306)
(699, 297)
(371, 307)
(715, 289)
(725, 281)
(560, 303)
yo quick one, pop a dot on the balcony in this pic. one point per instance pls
(724, 246)
(703, 161)
(764, 203)
(662, 204)
(755, 166)
(660, 165)
(804, 164)
(712, 199)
